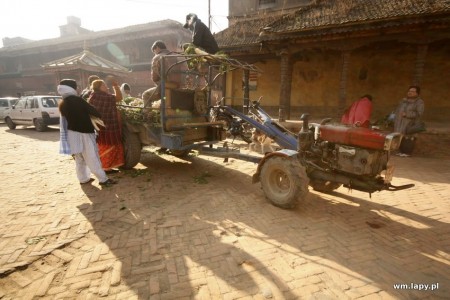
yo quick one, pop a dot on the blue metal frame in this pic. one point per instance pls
(283, 138)
(171, 139)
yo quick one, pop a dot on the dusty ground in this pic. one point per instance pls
(198, 229)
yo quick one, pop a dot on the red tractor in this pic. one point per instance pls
(323, 156)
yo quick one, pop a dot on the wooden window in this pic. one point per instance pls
(267, 4)
(262, 2)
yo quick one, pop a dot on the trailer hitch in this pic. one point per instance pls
(400, 187)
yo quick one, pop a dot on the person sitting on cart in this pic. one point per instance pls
(159, 49)
(201, 35)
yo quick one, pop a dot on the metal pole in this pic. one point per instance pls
(209, 14)
(246, 80)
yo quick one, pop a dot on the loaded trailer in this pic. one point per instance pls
(322, 155)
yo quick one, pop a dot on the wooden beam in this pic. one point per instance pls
(343, 83)
(285, 85)
(420, 64)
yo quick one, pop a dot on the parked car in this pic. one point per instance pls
(37, 111)
(5, 104)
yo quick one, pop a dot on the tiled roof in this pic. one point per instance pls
(337, 15)
(244, 32)
(84, 60)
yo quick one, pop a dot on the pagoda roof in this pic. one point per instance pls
(85, 60)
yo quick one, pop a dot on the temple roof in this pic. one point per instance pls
(85, 60)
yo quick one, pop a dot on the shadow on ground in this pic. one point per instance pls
(50, 135)
(199, 228)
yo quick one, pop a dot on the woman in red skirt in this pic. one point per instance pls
(109, 138)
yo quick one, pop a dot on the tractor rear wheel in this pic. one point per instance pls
(284, 181)
(132, 148)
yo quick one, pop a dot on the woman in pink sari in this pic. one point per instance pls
(109, 139)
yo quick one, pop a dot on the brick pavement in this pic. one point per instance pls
(198, 229)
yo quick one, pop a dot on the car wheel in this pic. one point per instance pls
(39, 125)
(10, 123)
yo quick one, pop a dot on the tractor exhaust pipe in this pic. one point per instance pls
(355, 183)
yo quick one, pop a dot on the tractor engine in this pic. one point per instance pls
(355, 160)
(352, 156)
(356, 150)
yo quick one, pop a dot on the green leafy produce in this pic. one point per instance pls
(134, 113)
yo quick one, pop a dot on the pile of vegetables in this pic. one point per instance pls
(200, 61)
(134, 113)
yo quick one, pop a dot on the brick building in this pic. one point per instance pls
(22, 61)
(318, 56)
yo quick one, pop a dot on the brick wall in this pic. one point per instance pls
(384, 70)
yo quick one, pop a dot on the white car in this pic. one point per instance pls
(38, 111)
(5, 104)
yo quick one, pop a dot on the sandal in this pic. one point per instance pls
(89, 181)
(112, 171)
(108, 182)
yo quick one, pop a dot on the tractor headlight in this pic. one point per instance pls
(392, 141)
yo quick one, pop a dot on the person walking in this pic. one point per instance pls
(109, 139)
(77, 134)
(407, 116)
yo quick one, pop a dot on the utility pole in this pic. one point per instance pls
(209, 14)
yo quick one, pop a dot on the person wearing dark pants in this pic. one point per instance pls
(407, 117)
